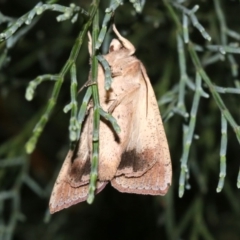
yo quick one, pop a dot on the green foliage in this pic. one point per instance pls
(202, 39)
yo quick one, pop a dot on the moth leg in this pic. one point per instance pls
(86, 84)
(124, 98)
(116, 73)
(127, 44)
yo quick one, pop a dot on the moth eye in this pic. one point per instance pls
(115, 45)
(111, 48)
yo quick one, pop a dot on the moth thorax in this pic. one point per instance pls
(115, 45)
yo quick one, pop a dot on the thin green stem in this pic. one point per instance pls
(137, 4)
(83, 109)
(173, 15)
(222, 21)
(185, 28)
(170, 215)
(27, 18)
(183, 79)
(189, 136)
(224, 31)
(73, 105)
(32, 85)
(96, 112)
(30, 145)
(193, 18)
(107, 71)
(114, 4)
(223, 150)
(215, 94)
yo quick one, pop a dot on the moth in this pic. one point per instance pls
(135, 161)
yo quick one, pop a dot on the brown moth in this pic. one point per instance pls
(135, 161)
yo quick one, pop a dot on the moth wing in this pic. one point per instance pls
(145, 166)
(151, 182)
(71, 186)
(64, 194)
(118, 101)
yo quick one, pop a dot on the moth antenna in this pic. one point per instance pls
(89, 43)
(127, 44)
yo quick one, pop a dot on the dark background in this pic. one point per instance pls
(200, 214)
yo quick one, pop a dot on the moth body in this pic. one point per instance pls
(136, 160)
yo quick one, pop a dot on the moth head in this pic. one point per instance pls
(123, 42)
(115, 45)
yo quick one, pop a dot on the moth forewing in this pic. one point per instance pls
(151, 182)
(146, 166)
(63, 194)
(112, 144)
(71, 186)
(79, 169)
(165, 159)
(66, 192)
